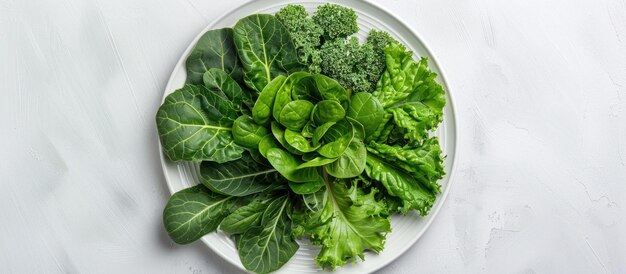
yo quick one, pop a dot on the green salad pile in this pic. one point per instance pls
(301, 131)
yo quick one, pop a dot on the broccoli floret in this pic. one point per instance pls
(304, 33)
(336, 21)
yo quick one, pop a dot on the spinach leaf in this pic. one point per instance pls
(306, 188)
(266, 143)
(195, 124)
(329, 89)
(367, 110)
(351, 163)
(296, 114)
(299, 142)
(215, 49)
(193, 212)
(270, 245)
(287, 165)
(262, 110)
(320, 131)
(240, 177)
(317, 161)
(265, 49)
(328, 111)
(337, 139)
(279, 134)
(247, 133)
(284, 94)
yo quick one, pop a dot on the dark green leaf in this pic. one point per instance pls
(240, 177)
(193, 212)
(265, 49)
(195, 125)
(267, 247)
(215, 49)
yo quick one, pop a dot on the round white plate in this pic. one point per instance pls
(405, 229)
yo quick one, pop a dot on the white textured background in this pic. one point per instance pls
(540, 91)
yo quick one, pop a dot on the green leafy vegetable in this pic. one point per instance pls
(351, 221)
(215, 49)
(408, 91)
(265, 49)
(304, 31)
(193, 212)
(240, 177)
(270, 245)
(247, 133)
(296, 114)
(328, 139)
(336, 21)
(195, 125)
(366, 109)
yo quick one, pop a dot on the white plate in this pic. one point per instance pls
(405, 229)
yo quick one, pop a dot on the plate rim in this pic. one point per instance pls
(450, 102)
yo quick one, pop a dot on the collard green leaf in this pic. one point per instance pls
(296, 114)
(195, 124)
(328, 111)
(270, 245)
(247, 133)
(265, 49)
(193, 212)
(240, 177)
(246, 216)
(351, 163)
(366, 109)
(220, 82)
(215, 49)
(262, 110)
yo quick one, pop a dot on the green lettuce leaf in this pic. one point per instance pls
(408, 91)
(350, 222)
